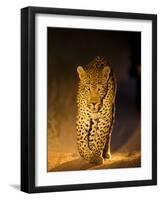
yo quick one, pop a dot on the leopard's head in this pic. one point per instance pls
(94, 82)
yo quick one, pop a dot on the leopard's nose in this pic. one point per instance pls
(94, 104)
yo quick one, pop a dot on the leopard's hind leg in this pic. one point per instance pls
(107, 150)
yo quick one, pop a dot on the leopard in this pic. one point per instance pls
(96, 94)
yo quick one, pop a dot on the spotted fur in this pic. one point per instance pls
(96, 110)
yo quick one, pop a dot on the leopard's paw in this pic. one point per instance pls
(97, 160)
(108, 156)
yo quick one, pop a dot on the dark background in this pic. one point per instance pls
(68, 48)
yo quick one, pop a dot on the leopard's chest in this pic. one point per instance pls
(99, 127)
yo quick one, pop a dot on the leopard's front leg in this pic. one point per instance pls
(83, 128)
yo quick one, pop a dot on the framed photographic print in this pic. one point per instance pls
(88, 99)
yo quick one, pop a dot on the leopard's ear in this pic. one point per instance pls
(81, 72)
(106, 72)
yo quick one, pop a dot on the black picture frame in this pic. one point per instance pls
(28, 98)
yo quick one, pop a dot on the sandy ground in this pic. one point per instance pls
(69, 161)
(64, 156)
